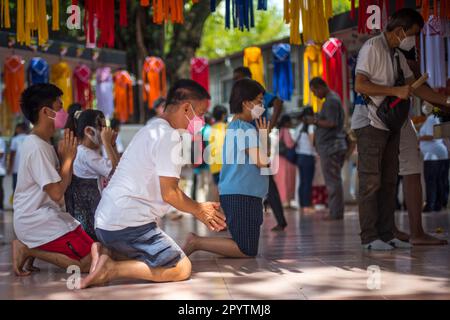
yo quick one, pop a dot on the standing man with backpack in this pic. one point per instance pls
(380, 65)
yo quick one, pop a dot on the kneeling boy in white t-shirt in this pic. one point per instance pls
(43, 228)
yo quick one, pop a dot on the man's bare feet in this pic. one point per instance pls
(101, 274)
(189, 245)
(427, 240)
(400, 235)
(20, 256)
(30, 265)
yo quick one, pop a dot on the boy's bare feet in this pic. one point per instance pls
(100, 275)
(19, 257)
(189, 245)
(427, 240)
(30, 265)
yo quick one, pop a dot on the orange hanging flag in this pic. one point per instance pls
(123, 95)
(154, 80)
(168, 10)
(145, 3)
(14, 75)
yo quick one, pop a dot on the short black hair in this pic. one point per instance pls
(284, 119)
(115, 123)
(36, 97)
(186, 89)
(405, 18)
(218, 112)
(244, 90)
(318, 82)
(80, 120)
(244, 71)
(22, 126)
(159, 102)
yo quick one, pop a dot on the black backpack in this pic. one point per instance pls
(394, 117)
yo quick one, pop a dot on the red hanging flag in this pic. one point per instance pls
(200, 72)
(123, 13)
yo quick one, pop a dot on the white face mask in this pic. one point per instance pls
(407, 43)
(427, 109)
(257, 111)
(96, 137)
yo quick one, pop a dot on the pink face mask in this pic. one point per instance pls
(196, 124)
(60, 118)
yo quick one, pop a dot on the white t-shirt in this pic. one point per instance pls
(2, 158)
(435, 149)
(37, 218)
(304, 145)
(89, 164)
(16, 143)
(375, 61)
(133, 196)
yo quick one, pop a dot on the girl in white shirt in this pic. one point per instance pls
(90, 168)
(306, 159)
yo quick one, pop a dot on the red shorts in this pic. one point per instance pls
(75, 244)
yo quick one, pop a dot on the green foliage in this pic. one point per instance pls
(269, 26)
(217, 41)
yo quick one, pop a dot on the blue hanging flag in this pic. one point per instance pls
(262, 4)
(283, 78)
(241, 11)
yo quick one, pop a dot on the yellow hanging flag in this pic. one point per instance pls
(4, 14)
(55, 15)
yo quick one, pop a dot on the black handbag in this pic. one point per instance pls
(288, 153)
(394, 117)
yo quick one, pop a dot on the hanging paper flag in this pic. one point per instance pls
(262, 4)
(168, 10)
(14, 77)
(334, 67)
(104, 91)
(105, 14)
(241, 12)
(154, 80)
(314, 17)
(312, 67)
(200, 72)
(55, 15)
(123, 95)
(253, 59)
(82, 85)
(32, 17)
(4, 14)
(123, 21)
(283, 78)
(61, 76)
(38, 71)
(433, 52)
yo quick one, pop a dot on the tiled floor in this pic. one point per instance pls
(313, 259)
